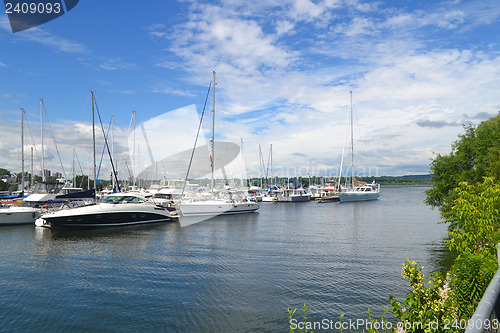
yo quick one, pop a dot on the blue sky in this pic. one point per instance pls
(418, 71)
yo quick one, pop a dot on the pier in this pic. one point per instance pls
(328, 198)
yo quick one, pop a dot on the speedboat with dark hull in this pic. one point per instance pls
(119, 209)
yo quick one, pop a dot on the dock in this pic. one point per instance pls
(328, 198)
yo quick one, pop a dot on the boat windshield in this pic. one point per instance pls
(122, 200)
(48, 187)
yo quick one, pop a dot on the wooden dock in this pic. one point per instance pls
(328, 198)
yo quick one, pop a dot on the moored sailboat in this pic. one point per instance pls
(223, 203)
(17, 214)
(357, 191)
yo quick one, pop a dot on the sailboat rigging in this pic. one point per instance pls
(221, 202)
(357, 191)
(19, 214)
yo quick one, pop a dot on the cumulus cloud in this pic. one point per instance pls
(39, 35)
(436, 123)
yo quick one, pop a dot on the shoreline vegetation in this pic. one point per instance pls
(81, 181)
(465, 189)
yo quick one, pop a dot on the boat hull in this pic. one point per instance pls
(269, 198)
(358, 196)
(213, 208)
(97, 216)
(18, 215)
(294, 198)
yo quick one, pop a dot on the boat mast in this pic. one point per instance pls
(212, 152)
(31, 168)
(93, 147)
(113, 150)
(41, 130)
(242, 163)
(22, 153)
(74, 177)
(133, 155)
(271, 154)
(352, 145)
(261, 166)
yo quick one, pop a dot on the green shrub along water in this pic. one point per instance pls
(466, 190)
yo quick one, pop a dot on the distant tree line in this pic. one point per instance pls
(383, 180)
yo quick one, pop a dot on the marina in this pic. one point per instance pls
(235, 273)
(249, 166)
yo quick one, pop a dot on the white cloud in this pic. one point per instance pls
(404, 90)
(284, 76)
(116, 64)
(44, 37)
(172, 91)
(39, 35)
(358, 26)
(284, 27)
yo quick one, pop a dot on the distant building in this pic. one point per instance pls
(46, 173)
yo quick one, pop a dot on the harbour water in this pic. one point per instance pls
(227, 274)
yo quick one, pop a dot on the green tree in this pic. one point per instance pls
(474, 232)
(474, 218)
(4, 172)
(476, 154)
(4, 186)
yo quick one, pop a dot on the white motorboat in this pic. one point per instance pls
(255, 193)
(272, 194)
(214, 207)
(14, 215)
(294, 192)
(360, 193)
(118, 209)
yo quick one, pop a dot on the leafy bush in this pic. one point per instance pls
(474, 219)
(427, 307)
(470, 276)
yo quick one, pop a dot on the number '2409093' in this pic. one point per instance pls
(33, 8)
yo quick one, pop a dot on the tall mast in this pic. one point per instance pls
(242, 162)
(93, 147)
(113, 149)
(41, 131)
(261, 166)
(133, 155)
(271, 154)
(22, 153)
(212, 153)
(74, 176)
(352, 145)
(31, 167)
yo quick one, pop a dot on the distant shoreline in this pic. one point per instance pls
(407, 185)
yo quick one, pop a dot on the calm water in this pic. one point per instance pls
(228, 274)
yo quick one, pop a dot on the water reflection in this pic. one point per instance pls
(228, 273)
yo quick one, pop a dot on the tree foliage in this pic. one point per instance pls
(4, 172)
(474, 218)
(4, 186)
(426, 304)
(476, 154)
(469, 278)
